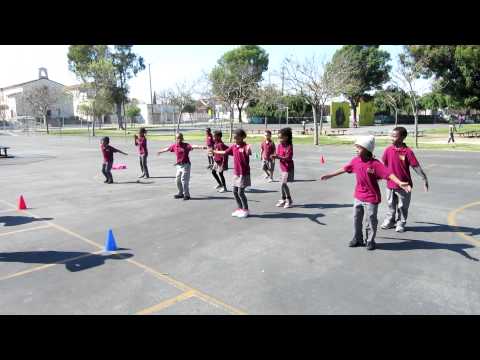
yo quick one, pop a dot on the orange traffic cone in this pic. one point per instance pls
(21, 203)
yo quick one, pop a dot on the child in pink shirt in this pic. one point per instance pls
(220, 162)
(398, 158)
(267, 150)
(368, 171)
(241, 152)
(181, 150)
(284, 153)
(141, 143)
(209, 142)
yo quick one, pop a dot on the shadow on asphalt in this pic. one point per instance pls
(443, 228)
(409, 244)
(290, 215)
(323, 206)
(258, 191)
(304, 180)
(20, 220)
(52, 257)
(161, 177)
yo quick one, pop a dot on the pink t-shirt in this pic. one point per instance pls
(220, 159)
(267, 149)
(285, 154)
(209, 141)
(367, 174)
(241, 158)
(181, 151)
(398, 161)
(141, 143)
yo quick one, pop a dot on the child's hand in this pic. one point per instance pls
(426, 186)
(405, 186)
(325, 177)
(158, 153)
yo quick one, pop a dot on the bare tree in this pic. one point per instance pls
(181, 97)
(406, 77)
(316, 82)
(41, 101)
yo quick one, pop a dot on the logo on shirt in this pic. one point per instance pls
(402, 157)
(371, 171)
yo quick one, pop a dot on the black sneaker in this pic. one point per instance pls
(371, 245)
(178, 196)
(355, 243)
(106, 181)
(186, 198)
(110, 181)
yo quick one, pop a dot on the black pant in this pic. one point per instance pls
(286, 192)
(451, 138)
(143, 165)
(220, 178)
(210, 160)
(240, 197)
(107, 170)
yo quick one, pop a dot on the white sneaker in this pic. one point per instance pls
(243, 214)
(400, 229)
(280, 203)
(287, 205)
(222, 190)
(270, 180)
(236, 212)
(266, 177)
(218, 187)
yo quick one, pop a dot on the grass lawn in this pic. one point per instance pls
(199, 138)
(444, 130)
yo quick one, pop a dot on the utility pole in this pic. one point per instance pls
(283, 77)
(151, 97)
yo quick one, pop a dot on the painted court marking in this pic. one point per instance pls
(186, 289)
(167, 303)
(452, 221)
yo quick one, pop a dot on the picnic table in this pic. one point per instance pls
(4, 148)
(338, 132)
(469, 134)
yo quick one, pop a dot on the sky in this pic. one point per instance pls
(169, 64)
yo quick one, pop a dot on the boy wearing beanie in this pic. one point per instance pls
(368, 171)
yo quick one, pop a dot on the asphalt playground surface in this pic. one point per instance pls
(192, 257)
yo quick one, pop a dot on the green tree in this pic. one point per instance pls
(265, 103)
(456, 69)
(132, 110)
(126, 65)
(244, 68)
(92, 64)
(369, 70)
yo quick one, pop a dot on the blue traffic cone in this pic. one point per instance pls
(110, 244)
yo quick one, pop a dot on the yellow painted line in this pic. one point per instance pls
(46, 266)
(181, 286)
(167, 303)
(175, 283)
(24, 230)
(452, 221)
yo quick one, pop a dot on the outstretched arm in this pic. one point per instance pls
(163, 150)
(336, 173)
(418, 169)
(199, 147)
(404, 185)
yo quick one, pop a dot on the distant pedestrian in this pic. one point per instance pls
(451, 131)
(181, 150)
(141, 144)
(368, 171)
(107, 152)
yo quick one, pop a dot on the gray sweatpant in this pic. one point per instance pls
(398, 203)
(183, 179)
(364, 212)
